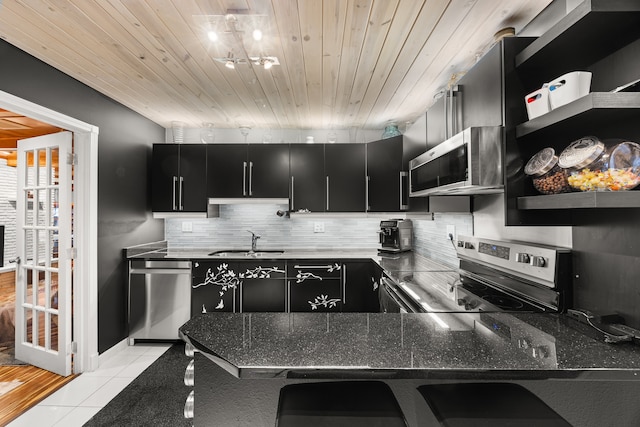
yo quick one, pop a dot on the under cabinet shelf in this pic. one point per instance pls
(591, 199)
(591, 31)
(596, 109)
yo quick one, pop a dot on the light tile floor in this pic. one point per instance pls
(79, 400)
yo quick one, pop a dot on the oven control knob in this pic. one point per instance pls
(460, 244)
(538, 261)
(523, 258)
(468, 245)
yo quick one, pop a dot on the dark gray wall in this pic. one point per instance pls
(124, 150)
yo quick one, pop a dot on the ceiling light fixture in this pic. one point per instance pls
(266, 63)
(230, 64)
(213, 36)
(257, 34)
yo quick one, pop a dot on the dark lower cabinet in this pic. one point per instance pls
(315, 286)
(238, 286)
(284, 286)
(262, 286)
(360, 287)
(214, 287)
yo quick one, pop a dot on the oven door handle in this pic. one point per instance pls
(388, 285)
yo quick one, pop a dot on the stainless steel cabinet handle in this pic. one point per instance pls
(251, 178)
(403, 174)
(327, 192)
(181, 206)
(160, 271)
(288, 296)
(313, 267)
(366, 194)
(344, 283)
(175, 181)
(292, 194)
(244, 178)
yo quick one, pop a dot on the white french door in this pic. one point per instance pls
(44, 247)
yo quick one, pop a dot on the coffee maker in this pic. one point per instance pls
(396, 235)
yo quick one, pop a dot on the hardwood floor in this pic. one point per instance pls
(36, 385)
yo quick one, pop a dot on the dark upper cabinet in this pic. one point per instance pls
(269, 170)
(444, 117)
(345, 176)
(307, 179)
(243, 170)
(489, 93)
(386, 177)
(177, 175)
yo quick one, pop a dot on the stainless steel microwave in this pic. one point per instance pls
(470, 162)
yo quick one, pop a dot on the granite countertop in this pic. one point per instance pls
(399, 265)
(386, 345)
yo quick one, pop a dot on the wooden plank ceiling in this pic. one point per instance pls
(342, 63)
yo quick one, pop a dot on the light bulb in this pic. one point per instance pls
(213, 36)
(230, 64)
(267, 64)
(257, 34)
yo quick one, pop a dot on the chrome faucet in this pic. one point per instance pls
(254, 241)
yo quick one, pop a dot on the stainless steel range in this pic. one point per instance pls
(494, 276)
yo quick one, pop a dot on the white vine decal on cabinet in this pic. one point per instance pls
(227, 279)
(324, 301)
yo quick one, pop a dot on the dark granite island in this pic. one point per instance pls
(385, 345)
(578, 375)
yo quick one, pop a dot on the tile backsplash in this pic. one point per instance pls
(229, 231)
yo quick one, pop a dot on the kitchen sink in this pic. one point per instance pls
(242, 252)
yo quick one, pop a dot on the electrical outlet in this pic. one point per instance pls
(451, 230)
(318, 227)
(187, 226)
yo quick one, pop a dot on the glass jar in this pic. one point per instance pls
(593, 165)
(585, 161)
(548, 177)
(624, 166)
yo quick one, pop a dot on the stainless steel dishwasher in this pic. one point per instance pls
(159, 299)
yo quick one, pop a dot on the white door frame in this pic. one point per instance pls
(85, 225)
